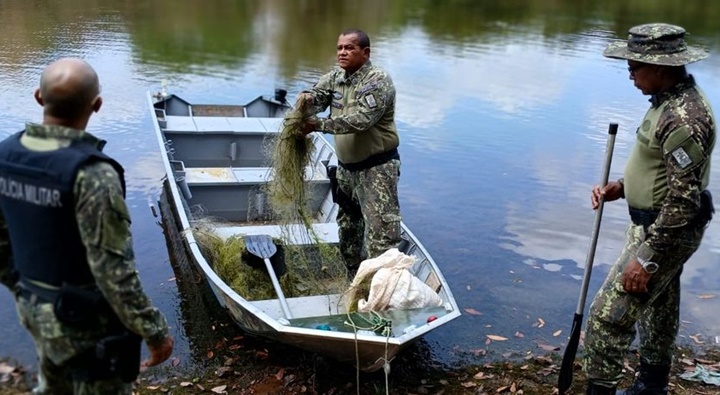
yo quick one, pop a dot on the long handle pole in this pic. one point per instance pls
(276, 284)
(566, 370)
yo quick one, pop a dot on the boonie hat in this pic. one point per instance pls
(656, 43)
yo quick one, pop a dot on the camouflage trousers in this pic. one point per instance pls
(614, 313)
(369, 215)
(56, 345)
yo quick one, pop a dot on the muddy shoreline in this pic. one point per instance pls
(226, 361)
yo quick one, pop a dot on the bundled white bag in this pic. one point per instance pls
(393, 287)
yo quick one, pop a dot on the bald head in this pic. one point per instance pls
(69, 90)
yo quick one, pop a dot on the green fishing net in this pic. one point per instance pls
(310, 267)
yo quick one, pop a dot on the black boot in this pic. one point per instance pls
(652, 380)
(594, 389)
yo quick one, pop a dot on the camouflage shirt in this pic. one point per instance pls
(362, 111)
(104, 223)
(670, 164)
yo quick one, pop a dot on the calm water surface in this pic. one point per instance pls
(503, 110)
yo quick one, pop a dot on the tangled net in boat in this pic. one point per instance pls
(315, 263)
(231, 261)
(310, 266)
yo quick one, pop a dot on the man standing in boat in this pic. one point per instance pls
(66, 249)
(361, 98)
(664, 185)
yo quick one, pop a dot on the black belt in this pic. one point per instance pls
(372, 161)
(26, 289)
(643, 217)
(646, 217)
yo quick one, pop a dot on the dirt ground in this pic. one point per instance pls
(232, 368)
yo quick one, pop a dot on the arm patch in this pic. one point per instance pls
(684, 151)
(370, 100)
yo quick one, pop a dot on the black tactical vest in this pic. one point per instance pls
(38, 203)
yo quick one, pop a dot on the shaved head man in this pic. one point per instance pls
(66, 248)
(69, 91)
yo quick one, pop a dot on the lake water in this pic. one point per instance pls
(503, 109)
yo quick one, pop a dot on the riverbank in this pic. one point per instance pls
(231, 368)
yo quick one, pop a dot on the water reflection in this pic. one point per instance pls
(502, 108)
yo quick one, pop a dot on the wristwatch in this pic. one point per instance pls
(650, 267)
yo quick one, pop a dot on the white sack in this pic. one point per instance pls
(393, 287)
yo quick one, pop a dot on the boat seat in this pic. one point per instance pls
(327, 232)
(239, 175)
(215, 125)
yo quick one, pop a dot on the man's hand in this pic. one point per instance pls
(159, 353)
(310, 125)
(635, 278)
(612, 191)
(304, 100)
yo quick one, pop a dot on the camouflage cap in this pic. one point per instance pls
(656, 43)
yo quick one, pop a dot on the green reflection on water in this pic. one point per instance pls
(179, 36)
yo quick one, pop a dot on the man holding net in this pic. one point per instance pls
(361, 98)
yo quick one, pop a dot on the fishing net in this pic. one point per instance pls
(290, 199)
(314, 263)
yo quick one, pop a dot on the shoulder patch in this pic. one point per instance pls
(682, 158)
(367, 88)
(370, 100)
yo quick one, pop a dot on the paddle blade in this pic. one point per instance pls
(568, 362)
(261, 246)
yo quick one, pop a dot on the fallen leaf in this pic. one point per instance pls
(519, 334)
(557, 332)
(706, 296)
(480, 376)
(501, 389)
(513, 387)
(210, 354)
(524, 367)
(223, 371)
(541, 322)
(186, 384)
(496, 338)
(696, 338)
(687, 362)
(219, 389)
(548, 347)
(171, 279)
(705, 361)
(235, 347)
(153, 387)
(472, 311)
(280, 374)
(543, 359)
(507, 355)
(469, 384)
(5, 368)
(175, 361)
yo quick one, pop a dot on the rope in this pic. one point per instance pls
(376, 322)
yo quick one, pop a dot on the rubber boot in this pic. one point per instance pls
(594, 389)
(652, 380)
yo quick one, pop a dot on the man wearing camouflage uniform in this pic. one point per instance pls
(361, 98)
(66, 249)
(664, 185)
